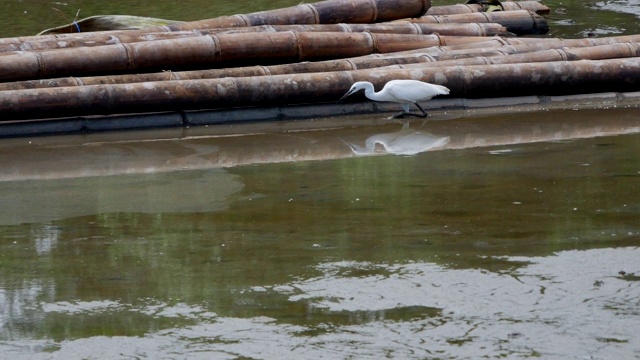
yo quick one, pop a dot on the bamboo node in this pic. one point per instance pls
(563, 54)
(374, 41)
(428, 58)
(345, 28)
(314, 11)
(299, 47)
(172, 75)
(265, 70)
(502, 40)
(352, 64)
(633, 49)
(217, 55)
(418, 28)
(41, 65)
(244, 19)
(128, 51)
(77, 80)
(375, 10)
(483, 29)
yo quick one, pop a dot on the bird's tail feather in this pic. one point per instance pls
(442, 90)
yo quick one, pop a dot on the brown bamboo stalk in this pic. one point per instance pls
(534, 6)
(355, 63)
(361, 62)
(507, 46)
(520, 22)
(325, 12)
(48, 42)
(101, 39)
(491, 47)
(451, 29)
(599, 52)
(547, 78)
(204, 51)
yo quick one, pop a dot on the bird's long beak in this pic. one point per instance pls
(351, 91)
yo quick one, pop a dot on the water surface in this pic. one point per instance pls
(491, 236)
(483, 245)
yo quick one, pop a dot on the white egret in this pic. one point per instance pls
(405, 92)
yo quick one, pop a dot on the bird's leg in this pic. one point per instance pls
(424, 113)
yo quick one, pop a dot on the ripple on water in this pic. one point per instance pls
(571, 305)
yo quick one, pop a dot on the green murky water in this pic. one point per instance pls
(569, 18)
(503, 236)
(203, 246)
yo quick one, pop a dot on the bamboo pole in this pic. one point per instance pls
(325, 12)
(354, 63)
(491, 47)
(203, 51)
(534, 6)
(101, 39)
(505, 46)
(451, 29)
(599, 52)
(548, 78)
(519, 22)
(49, 42)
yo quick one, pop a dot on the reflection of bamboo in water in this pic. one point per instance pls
(201, 151)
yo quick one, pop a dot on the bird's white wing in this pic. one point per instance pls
(412, 90)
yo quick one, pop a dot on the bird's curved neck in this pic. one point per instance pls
(370, 92)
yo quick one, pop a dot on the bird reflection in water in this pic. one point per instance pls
(404, 142)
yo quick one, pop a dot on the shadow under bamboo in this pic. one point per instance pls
(205, 148)
(207, 51)
(520, 22)
(548, 78)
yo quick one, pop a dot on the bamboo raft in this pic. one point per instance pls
(306, 54)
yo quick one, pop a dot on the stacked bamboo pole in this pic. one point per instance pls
(477, 80)
(519, 22)
(210, 50)
(490, 51)
(98, 39)
(287, 56)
